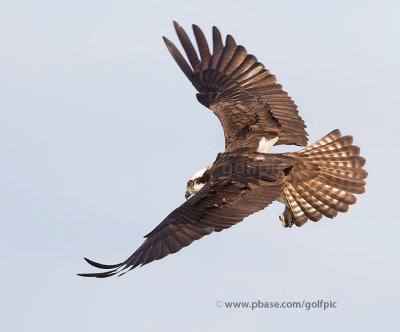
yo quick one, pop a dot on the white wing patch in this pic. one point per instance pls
(266, 144)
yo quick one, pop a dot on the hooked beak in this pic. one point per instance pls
(187, 194)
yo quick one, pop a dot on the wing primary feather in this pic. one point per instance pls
(248, 61)
(237, 58)
(227, 53)
(98, 275)
(187, 45)
(217, 41)
(180, 60)
(102, 266)
(201, 42)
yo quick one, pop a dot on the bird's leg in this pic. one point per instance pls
(287, 217)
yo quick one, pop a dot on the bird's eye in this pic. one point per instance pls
(191, 183)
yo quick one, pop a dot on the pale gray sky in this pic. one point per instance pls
(100, 130)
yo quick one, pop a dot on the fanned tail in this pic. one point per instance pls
(330, 171)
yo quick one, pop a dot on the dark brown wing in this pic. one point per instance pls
(239, 190)
(239, 90)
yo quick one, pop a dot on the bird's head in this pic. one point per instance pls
(196, 182)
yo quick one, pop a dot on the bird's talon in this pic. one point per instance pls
(286, 218)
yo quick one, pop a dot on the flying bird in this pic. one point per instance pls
(255, 114)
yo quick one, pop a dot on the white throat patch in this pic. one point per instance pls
(266, 144)
(197, 186)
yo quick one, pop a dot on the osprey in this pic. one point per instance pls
(255, 114)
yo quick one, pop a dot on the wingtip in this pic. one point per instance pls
(230, 41)
(102, 266)
(196, 29)
(90, 261)
(98, 275)
(82, 274)
(215, 29)
(167, 42)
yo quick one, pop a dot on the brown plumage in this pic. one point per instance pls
(317, 181)
(239, 90)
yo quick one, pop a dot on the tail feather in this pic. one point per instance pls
(325, 178)
(298, 213)
(339, 152)
(334, 193)
(350, 161)
(341, 184)
(345, 180)
(306, 207)
(349, 172)
(339, 143)
(317, 204)
(344, 175)
(332, 136)
(332, 202)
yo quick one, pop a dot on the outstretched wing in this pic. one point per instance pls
(239, 190)
(239, 90)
